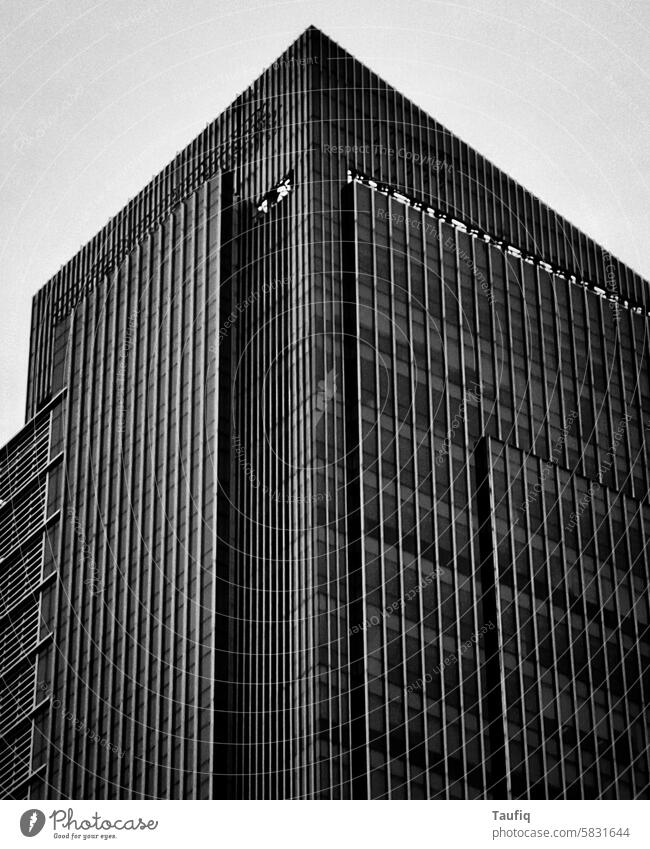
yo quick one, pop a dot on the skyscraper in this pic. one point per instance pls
(334, 481)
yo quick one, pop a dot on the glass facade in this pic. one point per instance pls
(502, 471)
(353, 488)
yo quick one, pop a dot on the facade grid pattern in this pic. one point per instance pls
(335, 477)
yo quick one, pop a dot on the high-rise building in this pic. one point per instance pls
(334, 481)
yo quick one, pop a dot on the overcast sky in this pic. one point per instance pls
(95, 98)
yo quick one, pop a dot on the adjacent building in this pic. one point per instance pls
(334, 482)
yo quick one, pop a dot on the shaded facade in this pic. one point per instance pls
(353, 498)
(502, 582)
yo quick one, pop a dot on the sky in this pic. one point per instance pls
(95, 98)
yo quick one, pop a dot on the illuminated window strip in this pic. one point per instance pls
(438, 215)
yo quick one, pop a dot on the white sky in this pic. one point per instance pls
(95, 98)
